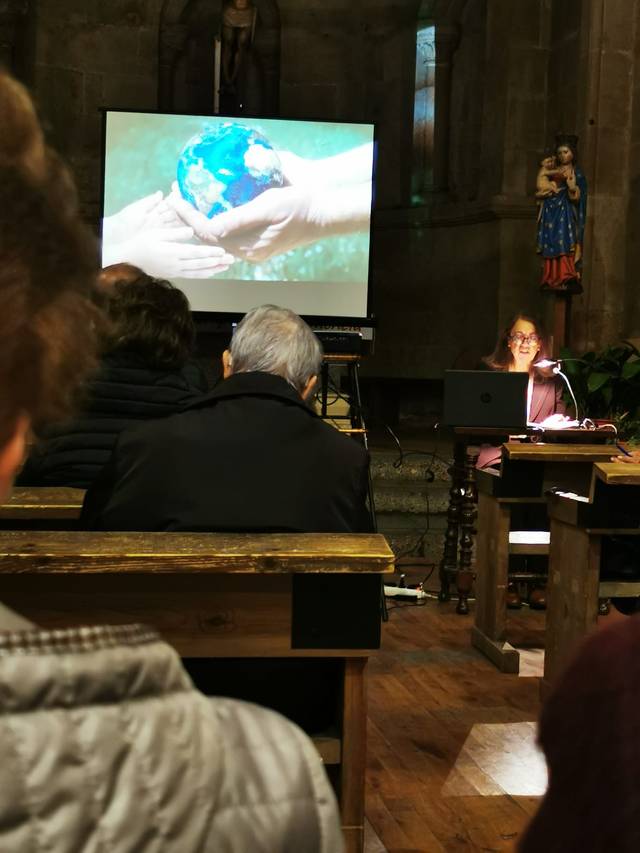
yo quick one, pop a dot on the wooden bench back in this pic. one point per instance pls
(54, 552)
(42, 504)
(210, 594)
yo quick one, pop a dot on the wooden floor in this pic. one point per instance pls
(452, 760)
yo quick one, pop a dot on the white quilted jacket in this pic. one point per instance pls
(106, 746)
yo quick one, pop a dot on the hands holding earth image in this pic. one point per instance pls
(237, 199)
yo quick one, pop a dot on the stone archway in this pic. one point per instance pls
(186, 37)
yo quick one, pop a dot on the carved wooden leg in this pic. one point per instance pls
(468, 512)
(449, 562)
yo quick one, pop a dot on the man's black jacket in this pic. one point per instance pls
(125, 392)
(249, 456)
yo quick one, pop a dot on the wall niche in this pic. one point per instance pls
(187, 36)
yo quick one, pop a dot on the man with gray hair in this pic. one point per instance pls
(249, 456)
(275, 340)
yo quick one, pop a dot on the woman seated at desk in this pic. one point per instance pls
(521, 344)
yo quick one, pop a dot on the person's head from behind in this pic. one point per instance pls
(151, 318)
(48, 266)
(111, 275)
(521, 343)
(275, 340)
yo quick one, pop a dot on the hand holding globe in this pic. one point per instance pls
(234, 190)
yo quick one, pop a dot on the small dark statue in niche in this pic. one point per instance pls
(561, 193)
(238, 28)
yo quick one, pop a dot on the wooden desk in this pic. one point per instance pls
(461, 513)
(222, 596)
(527, 472)
(611, 506)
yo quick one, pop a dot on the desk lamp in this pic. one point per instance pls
(556, 365)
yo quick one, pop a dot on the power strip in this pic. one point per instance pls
(403, 592)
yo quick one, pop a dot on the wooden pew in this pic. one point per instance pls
(579, 523)
(527, 472)
(222, 596)
(42, 504)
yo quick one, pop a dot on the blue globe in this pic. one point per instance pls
(225, 166)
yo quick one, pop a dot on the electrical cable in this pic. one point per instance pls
(359, 412)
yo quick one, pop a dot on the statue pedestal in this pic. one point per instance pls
(557, 315)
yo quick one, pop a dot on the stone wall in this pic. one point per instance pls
(91, 55)
(594, 75)
(447, 274)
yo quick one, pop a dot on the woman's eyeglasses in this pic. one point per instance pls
(520, 338)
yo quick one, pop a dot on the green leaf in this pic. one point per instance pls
(573, 368)
(597, 380)
(607, 394)
(631, 368)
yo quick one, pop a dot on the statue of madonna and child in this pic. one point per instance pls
(561, 193)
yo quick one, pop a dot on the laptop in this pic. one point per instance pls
(485, 398)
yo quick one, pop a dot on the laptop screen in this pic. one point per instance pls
(485, 398)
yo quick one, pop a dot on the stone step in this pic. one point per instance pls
(411, 521)
(410, 506)
(414, 468)
(423, 499)
(427, 545)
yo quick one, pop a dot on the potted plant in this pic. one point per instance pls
(607, 385)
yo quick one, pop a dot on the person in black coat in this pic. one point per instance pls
(249, 456)
(146, 373)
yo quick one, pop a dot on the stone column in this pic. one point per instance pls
(513, 138)
(604, 78)
(447, 38)
(172, 40)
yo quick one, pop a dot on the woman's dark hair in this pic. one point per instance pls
(151, 318)
(49, 325)
(501, 357)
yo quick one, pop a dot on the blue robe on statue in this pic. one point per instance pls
(561, 233)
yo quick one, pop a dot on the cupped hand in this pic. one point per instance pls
(272, 223)
(152, 211)
(633, 459)
(165, 252)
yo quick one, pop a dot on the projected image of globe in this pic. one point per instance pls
(226, 166)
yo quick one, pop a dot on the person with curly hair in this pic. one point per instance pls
(147, 372)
